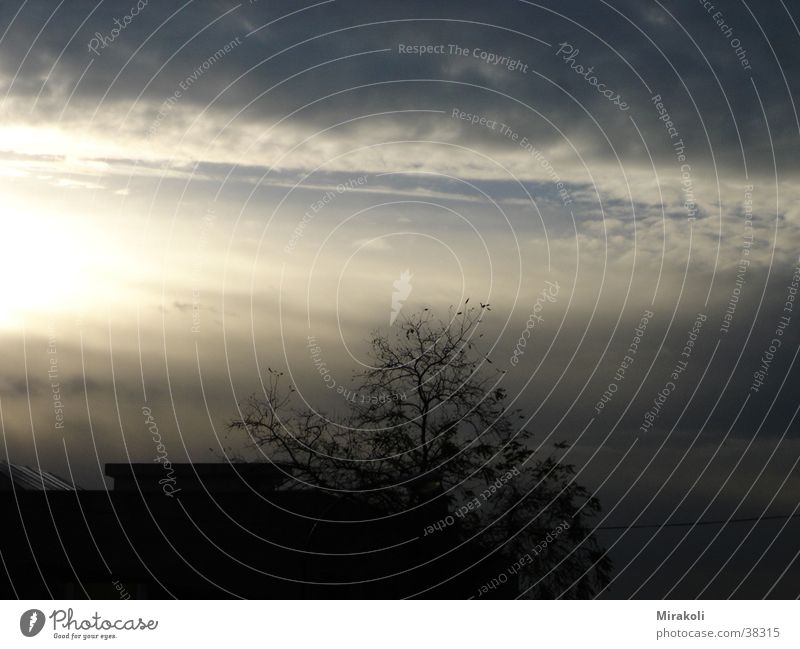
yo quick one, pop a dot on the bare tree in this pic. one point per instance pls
(430, 419)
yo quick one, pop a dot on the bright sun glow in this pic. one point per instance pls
(42, 266)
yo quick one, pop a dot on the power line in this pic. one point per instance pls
(756, 519)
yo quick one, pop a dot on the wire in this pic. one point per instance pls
(757, 519)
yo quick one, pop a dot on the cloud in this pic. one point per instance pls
(375, 245)
(324, 77)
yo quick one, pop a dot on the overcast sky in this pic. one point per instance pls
(190, 190)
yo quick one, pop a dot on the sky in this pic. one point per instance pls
(192, 190)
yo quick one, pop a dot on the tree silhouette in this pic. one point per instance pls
(429, 419)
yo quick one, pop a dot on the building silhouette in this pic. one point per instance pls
(226, 531)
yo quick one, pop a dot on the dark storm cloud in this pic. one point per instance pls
(677, 50)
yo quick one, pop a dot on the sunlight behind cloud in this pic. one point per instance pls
(45, 265)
